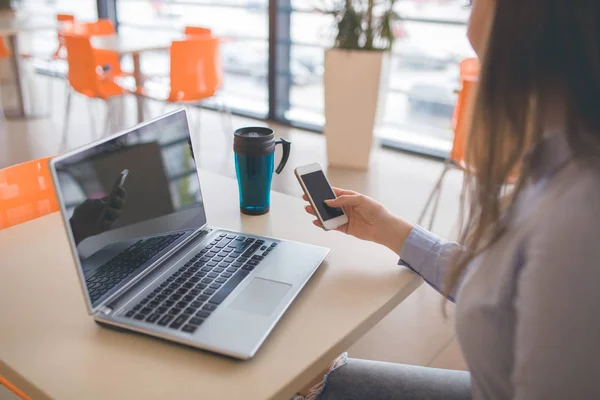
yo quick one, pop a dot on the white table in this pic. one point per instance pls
(11, 27)
(135, 44)
(51, 348)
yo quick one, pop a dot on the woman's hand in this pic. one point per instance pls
(367, 220)
(95, 216)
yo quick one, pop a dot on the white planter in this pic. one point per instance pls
(354, 81)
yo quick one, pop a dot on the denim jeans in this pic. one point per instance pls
(365, 380)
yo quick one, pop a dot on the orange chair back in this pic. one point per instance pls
(81, 59)
(461, 121)
(83, 75)
(26, 192)
(196, 71)
(102, 27)
(4, 50)
(65, 17)
(197, 31)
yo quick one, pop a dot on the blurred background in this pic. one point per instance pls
(423, 72)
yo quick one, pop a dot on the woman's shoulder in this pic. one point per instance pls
(567, 211)
(578, 184)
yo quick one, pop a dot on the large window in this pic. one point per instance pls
(423, 71)
(44, 42)
(430, 43)
(273, 57)
(243, 25)
(81, 9)
(311, 34)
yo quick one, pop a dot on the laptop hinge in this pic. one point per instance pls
(105, 310)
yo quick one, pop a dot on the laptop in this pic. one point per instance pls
(149, 261)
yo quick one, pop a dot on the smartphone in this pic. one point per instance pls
(317, 189)
(121, 179)
(119, 183)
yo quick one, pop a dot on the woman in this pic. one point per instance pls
(527, 269)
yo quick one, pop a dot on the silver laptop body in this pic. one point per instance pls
(146, 257)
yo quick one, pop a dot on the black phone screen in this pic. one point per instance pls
(319, 190)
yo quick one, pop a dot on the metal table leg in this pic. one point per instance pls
(139, 82)
(20, 112)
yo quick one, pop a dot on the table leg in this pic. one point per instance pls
(20, 111)
(139, 82)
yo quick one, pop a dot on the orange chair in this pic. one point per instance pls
(86, 77)
(461, 122)
(196, 75)
(197, 31)
(102, 27)
(4, 50)
(4, 53)
(26, 193)
(190, 32)
(196, 72)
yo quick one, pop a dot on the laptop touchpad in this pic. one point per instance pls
(261, 296)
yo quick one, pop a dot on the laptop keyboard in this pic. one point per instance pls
(192, 293)
(126, 263)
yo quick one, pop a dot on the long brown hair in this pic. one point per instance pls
(541, 56)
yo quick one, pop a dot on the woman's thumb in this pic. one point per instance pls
(345, 201)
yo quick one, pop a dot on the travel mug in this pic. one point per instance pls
(254, 149)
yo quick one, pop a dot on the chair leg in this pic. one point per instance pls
(109, 115)
(197, 119)
(92, 119)
(227, 120)
(50, 94)
(146, 110)
(435, 194)
(119, 113)
(436, 204)
(63, 142)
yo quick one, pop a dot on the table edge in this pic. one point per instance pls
(22, 383)
(325, 360)
(297, 382)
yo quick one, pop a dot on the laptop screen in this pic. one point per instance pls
(130, 200)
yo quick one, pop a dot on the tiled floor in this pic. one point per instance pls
(414, 333)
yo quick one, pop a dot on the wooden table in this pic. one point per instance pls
(135, 44)
(10, 27)
(51, 348)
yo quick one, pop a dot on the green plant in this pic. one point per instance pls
(5, 4)
(363, 24)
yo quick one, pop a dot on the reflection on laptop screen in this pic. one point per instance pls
(130, 200)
